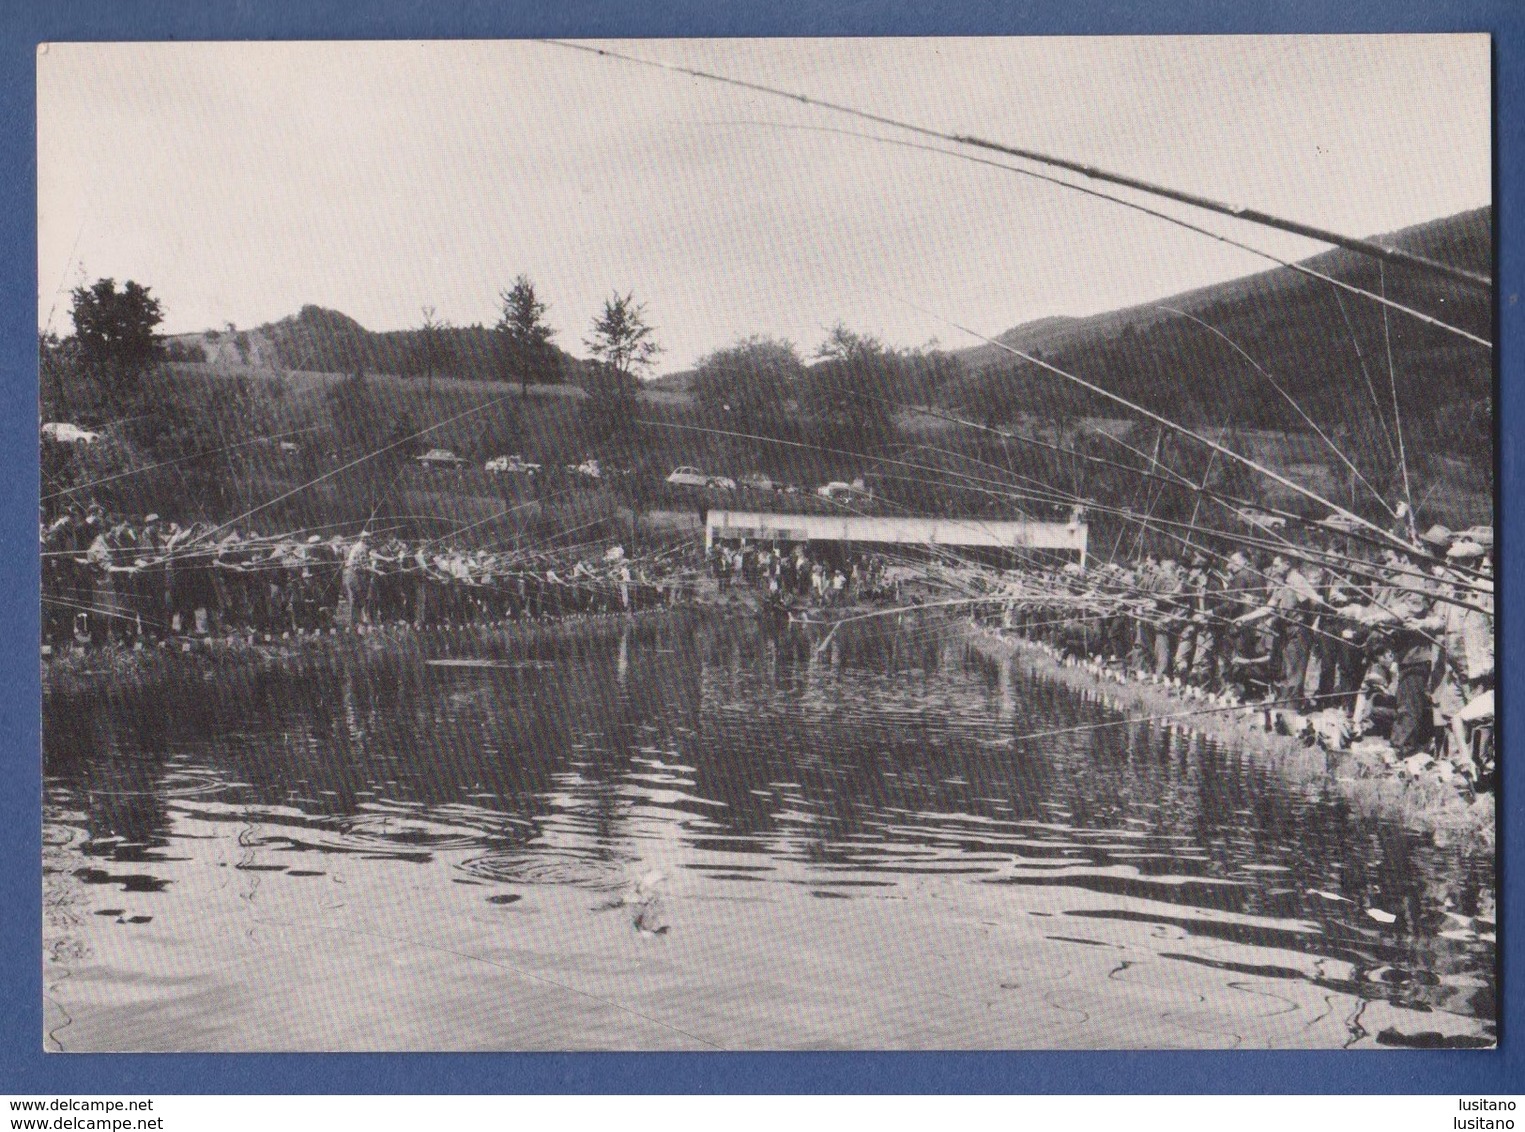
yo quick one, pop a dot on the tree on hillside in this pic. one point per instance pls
(848, 394)
(926, 371)
(748, 385)
(524, 338)
(623, 352)
(434, 344)
(116, 338)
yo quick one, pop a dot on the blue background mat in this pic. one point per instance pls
(24, 1068)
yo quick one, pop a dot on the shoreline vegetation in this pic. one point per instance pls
(1363, 781)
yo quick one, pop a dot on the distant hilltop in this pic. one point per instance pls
(317, 339)
(1464, 240)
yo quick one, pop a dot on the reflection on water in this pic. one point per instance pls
(696, 834)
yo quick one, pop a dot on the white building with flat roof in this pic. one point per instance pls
(901, 530)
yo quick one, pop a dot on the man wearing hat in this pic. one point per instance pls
(1194, 644)
(1230, 592)
(1407, 604)
(1437, 540)
(1464, 669)
(354, 578)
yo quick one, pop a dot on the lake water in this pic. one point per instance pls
(692, 834)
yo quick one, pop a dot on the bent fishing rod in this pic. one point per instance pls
(1368, 248)
(1338, 285)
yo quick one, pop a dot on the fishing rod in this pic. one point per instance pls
(990, 488)
(1291, 265)
(1392, 377)
(1178, 480)
(1229, 502)
(1371, 387)
(1267, 609)
(1311, 423)
(507, 511)
(1095, 609)
(406, 440)
(1292, 550)
(1199, 617)
(1367, 248)
(1131, 603)
(1254, 465)
(177, 460)
(104, 611)
(1297, 553)
(1093, 599)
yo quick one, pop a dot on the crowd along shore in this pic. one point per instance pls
(1308, 667)
(1370, 784)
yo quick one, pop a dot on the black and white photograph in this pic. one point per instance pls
(767, 544)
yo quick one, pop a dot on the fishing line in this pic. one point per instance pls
(1288, 398)
(1246, 708)
(177, 460)
(1292, 265)
(1158, 419)
(1239, 212)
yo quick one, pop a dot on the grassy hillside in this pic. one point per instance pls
(1329, 352)
(1327, 348)
(1336, 355)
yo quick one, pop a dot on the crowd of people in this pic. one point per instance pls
(115, 580)
(791, 576)
(1384, 646)
(1347, 642)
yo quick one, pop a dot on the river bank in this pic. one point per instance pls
(117, 668)
(1363, 781)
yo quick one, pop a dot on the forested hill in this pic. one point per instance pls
(1327, 348)
(328, 341)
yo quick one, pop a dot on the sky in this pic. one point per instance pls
(242, 181)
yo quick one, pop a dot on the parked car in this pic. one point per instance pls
(440, 458)
(840, 489)
(693, 477)
(587, 468)
(758, 482)
(501, 464)
(66, 433)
